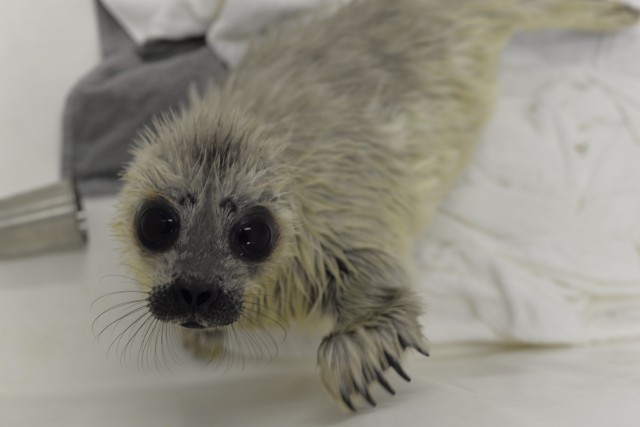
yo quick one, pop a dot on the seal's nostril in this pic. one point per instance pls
(186, 296)
(203, 297)
(193, 295)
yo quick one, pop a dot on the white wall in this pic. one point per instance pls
(45, 47)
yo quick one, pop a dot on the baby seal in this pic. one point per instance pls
(296, 188)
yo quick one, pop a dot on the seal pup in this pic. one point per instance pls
(295, 189)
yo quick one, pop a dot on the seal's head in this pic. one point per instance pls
(204, 216)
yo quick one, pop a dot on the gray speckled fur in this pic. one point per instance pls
(350, 129)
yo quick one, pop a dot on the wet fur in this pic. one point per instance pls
(350, 129)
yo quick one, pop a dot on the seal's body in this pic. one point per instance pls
(298, 186)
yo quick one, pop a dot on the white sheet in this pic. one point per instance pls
(146, 20)
(540, 241)
(228, 24)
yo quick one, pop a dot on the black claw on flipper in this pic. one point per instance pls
(421, 351)
(367, 375)
(365, 393)
(404, 344)
(347, 401)
(393, 362)
(383, 382)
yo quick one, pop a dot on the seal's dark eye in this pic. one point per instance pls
(253, 237)
(157, 226)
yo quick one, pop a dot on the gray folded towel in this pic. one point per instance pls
(107, 108)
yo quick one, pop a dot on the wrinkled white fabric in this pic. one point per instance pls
(540, 240)
(146, 20)
(227, 24)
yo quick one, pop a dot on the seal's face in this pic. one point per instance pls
(207, 253)
(204, 219)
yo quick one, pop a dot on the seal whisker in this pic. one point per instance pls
(118, 320)
(110, 294)
(144, 343)
(258, 333)
(162, 335)
(118, 339)
(238, 344)
(276, 322)
(127, 346)
(221, 341)
(119, 305)
(242, 334)
(157, 353)
(172, 337)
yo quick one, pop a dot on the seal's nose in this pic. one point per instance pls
(194, 296)
(196, 303)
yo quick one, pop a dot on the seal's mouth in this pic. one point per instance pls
(192, 325)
